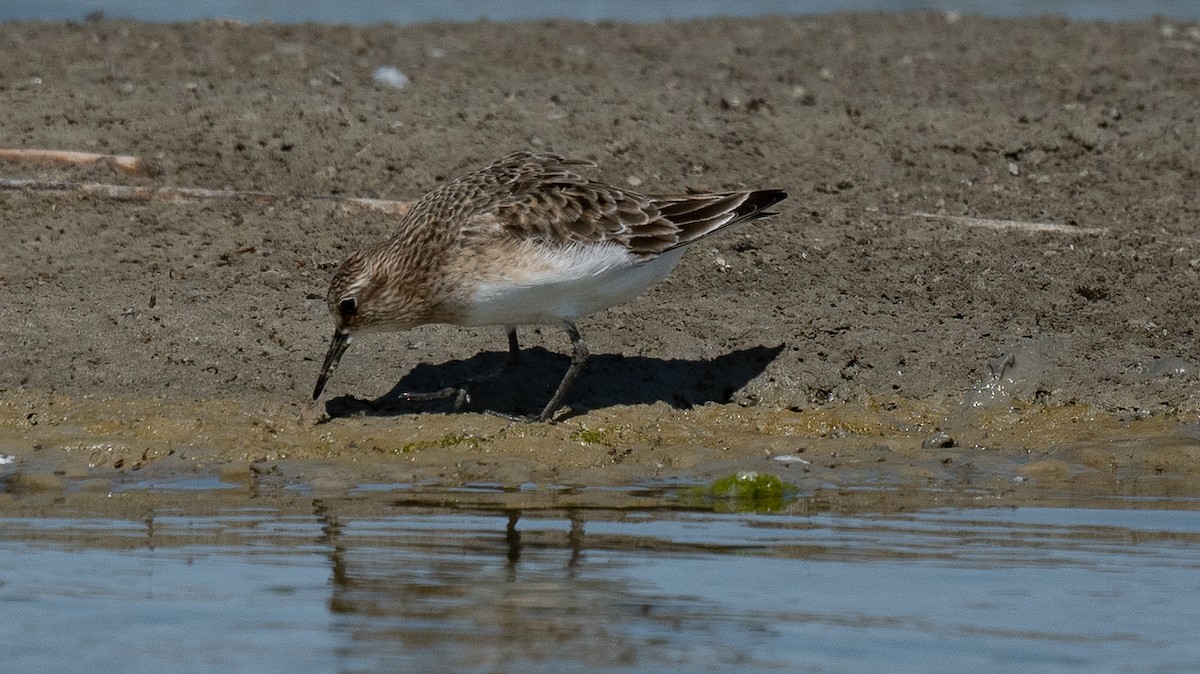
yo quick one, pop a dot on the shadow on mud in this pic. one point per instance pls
(607, 380)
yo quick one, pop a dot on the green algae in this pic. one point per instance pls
(747, 491)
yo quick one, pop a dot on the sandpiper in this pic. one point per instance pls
(524, 241)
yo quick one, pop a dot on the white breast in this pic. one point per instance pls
(566, 283)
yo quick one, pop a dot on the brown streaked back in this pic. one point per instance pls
(540, 197)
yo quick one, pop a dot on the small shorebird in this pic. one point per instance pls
(523, 241)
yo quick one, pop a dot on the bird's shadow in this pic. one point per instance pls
(606, 380)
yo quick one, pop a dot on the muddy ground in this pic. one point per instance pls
(992, 232)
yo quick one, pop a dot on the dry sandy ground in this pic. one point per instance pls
(992, 231)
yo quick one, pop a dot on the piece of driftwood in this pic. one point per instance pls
(122, 162)
(133, 165)
(1021, 225)
(191, 194)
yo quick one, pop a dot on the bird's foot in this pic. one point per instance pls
(529, 418)
(460, 394)
(515, 418)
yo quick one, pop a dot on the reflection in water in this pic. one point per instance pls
(456, 589)
(506, 590)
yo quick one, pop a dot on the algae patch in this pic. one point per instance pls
(747, 491)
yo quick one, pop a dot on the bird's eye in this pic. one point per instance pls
(348, 307)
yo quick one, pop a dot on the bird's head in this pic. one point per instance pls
(368, 293)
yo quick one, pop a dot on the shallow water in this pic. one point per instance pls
(989, 589)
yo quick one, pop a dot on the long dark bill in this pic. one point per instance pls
(341, 341)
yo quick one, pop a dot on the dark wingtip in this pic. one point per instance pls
(754, 208)
(768, 198)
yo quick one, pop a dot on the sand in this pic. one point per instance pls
(991, 232)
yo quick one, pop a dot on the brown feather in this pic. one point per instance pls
(539, 197)
(521, 199)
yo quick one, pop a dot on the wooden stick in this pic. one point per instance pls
(127, 163)
(191, 194)
(1023, 225)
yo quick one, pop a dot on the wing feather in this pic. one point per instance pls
(540, 197)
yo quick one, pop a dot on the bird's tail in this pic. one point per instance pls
(698, 215)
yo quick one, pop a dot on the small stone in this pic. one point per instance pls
(790, 459)
(390, 76)
(939, 440)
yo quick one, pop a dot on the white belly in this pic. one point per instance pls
(565, 284)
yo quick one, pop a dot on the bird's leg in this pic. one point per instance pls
(579, 355)
(514, 347)
(461, 392)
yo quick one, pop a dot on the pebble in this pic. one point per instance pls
(390, 76)
(790, 458)
(939, 440)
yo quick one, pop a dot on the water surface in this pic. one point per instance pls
(1028, 589)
